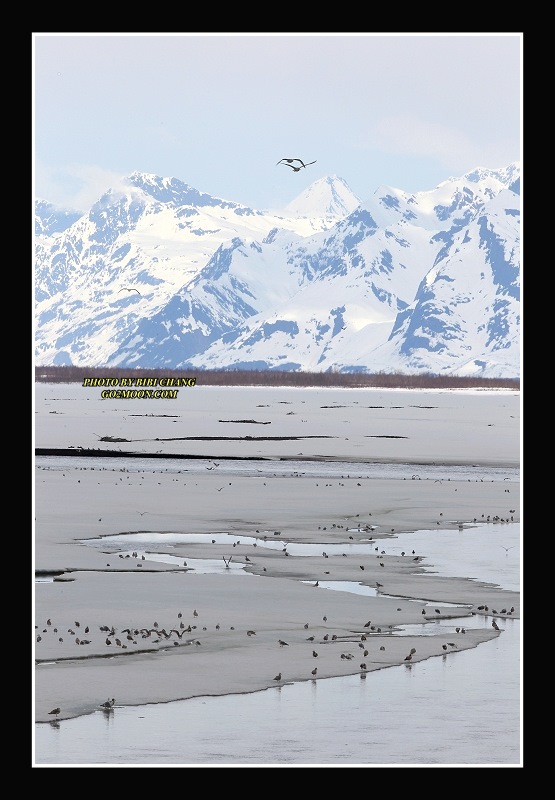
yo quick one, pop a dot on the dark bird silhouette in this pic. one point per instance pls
(315, 654)
(126, 289)
(277, 678)
(282, 643)
(289, 163)
(108, 705)
(55, 711)
(506, 549)
(298, 169)
(314, 671)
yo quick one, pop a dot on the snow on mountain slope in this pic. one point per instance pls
(160, 274)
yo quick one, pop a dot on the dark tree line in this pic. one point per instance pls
(232, 377)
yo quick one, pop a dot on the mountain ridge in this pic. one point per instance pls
(421, 282)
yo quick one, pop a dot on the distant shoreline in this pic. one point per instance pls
(351, 459)
(275, 378)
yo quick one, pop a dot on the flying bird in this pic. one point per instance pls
(298, 169)
(126, 289)
(289, 163)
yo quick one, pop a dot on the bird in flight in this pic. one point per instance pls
(289, 163)
(126, 289)
(298, 169)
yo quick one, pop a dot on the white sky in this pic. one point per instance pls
(217, 111)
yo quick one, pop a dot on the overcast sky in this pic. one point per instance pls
(217, 111)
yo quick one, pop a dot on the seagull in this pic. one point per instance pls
(289, 163)
(55, 711)
(126, 289)
(506, 549)
(108, 705)
(278, 677)
(298, 169)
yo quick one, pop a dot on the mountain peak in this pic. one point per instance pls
(424, 282)
(172, 191)
(327, 197)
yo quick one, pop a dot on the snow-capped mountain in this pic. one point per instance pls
(158, 274)
(49, 219)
